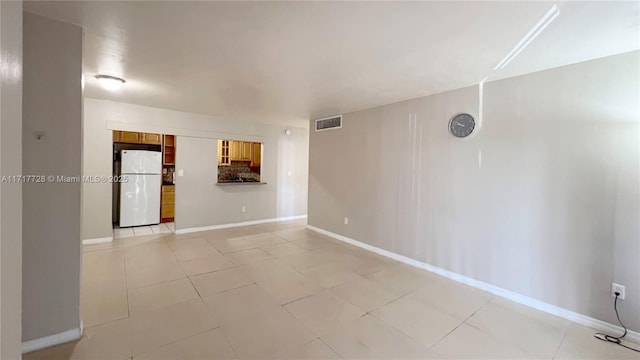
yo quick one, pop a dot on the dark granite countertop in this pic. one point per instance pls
(226, 183)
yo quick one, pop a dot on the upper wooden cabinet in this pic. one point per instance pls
(169, 150)
(131, 137)
(256, 154)
(150, 138)
(232, 150)
(235, 149)
(246, 153)
(223, 153)
(127, 137)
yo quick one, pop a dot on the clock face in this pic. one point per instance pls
(462, 125)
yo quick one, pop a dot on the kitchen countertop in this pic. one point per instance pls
(228, 183)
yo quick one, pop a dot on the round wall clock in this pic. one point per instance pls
(462, 125)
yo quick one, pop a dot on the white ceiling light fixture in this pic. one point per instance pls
(528, 38)
(109, 82)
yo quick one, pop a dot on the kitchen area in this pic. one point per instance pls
(144, 202)
(145, 198)
(239, 162)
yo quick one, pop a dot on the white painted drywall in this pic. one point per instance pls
(52, 105)
(199, 202)
(543, 200)
(10, 193)
(97, 160)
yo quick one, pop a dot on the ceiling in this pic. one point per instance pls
(287, 62)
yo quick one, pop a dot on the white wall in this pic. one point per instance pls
(52, 105)
(199, 202)
(10, 193)
(543, 200)
(97, 160)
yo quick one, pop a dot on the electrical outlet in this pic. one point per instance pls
(346, 221)
(244, 209)
(619, 289)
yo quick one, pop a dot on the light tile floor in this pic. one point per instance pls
(279, 291)
(163, 228)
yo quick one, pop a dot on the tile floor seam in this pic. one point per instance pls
(502, 341)
(225, 290)
(464, 321)
(235, 288)
(394, 300)
(200, 296)
(377, 308)
(127, 298)
(196, 289)
(235, 352)
(297, 270)
(346, 282)
(237, 251)
(411, 336)
(476, 311)
(357, 306)
(211, 272)
(175, 256)
(180, 339)
(126, 287)
(157, 283)
(104, 323)
(564, 337)
(101, 250)
(297, 319)
(330, 348)
(445, 336)
(302, 298)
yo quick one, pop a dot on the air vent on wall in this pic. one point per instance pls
(333, 122)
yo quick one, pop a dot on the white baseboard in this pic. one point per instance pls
(521, 299)
(97, 240)
(52, 340)
(244, 223)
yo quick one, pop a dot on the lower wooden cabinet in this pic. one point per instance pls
(167, 212)
(167, 207)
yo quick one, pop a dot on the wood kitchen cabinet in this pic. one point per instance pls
(235, 149)
(131, 137)
(223, 153)
(256, 154)
(240, 150)
(167, 206)
(151, 138)
(232, 150)
(169, 150)
(127, 137)
(245, 150)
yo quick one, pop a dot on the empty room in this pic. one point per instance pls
(319, 180)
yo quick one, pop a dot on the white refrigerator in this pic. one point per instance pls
(140, 192)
